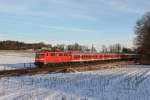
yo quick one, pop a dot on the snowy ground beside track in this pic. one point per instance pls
(16, 59)
(131, 82)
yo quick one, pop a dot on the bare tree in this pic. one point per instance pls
(116, 48)
(142, 30)
(61, 47)
(104, 49)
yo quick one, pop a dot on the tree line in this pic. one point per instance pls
(115, 48)
(17, 45)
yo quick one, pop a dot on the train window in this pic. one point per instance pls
(61, 54)
(77, 56)
(57, 54)
(39, 55)
(47, 54)
(52, 54)
(95, 56)
(82, 56)
(65, 54)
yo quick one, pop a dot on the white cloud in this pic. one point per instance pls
(125, 6)
(48, 8)
(63, 28)
(3, 36)
(56, 28)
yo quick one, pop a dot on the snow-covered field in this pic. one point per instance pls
(130, 82)
(16, 59)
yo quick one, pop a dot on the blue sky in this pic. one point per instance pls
(101, 22)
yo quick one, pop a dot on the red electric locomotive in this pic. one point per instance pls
(46, 57)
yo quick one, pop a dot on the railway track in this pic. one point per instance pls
(62, 69)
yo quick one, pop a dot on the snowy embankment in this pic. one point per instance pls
(130, 82)
(16, 59)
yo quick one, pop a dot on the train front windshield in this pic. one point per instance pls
(40, 55)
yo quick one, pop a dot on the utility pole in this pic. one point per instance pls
(92, 48)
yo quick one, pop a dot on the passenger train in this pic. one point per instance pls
(47, 57)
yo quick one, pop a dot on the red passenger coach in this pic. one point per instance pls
(46, 57)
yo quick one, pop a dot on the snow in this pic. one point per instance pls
(129, 82)
(15, 60)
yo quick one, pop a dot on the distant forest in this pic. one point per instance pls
(16, 45)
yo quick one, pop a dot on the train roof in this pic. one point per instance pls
(86, 53)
